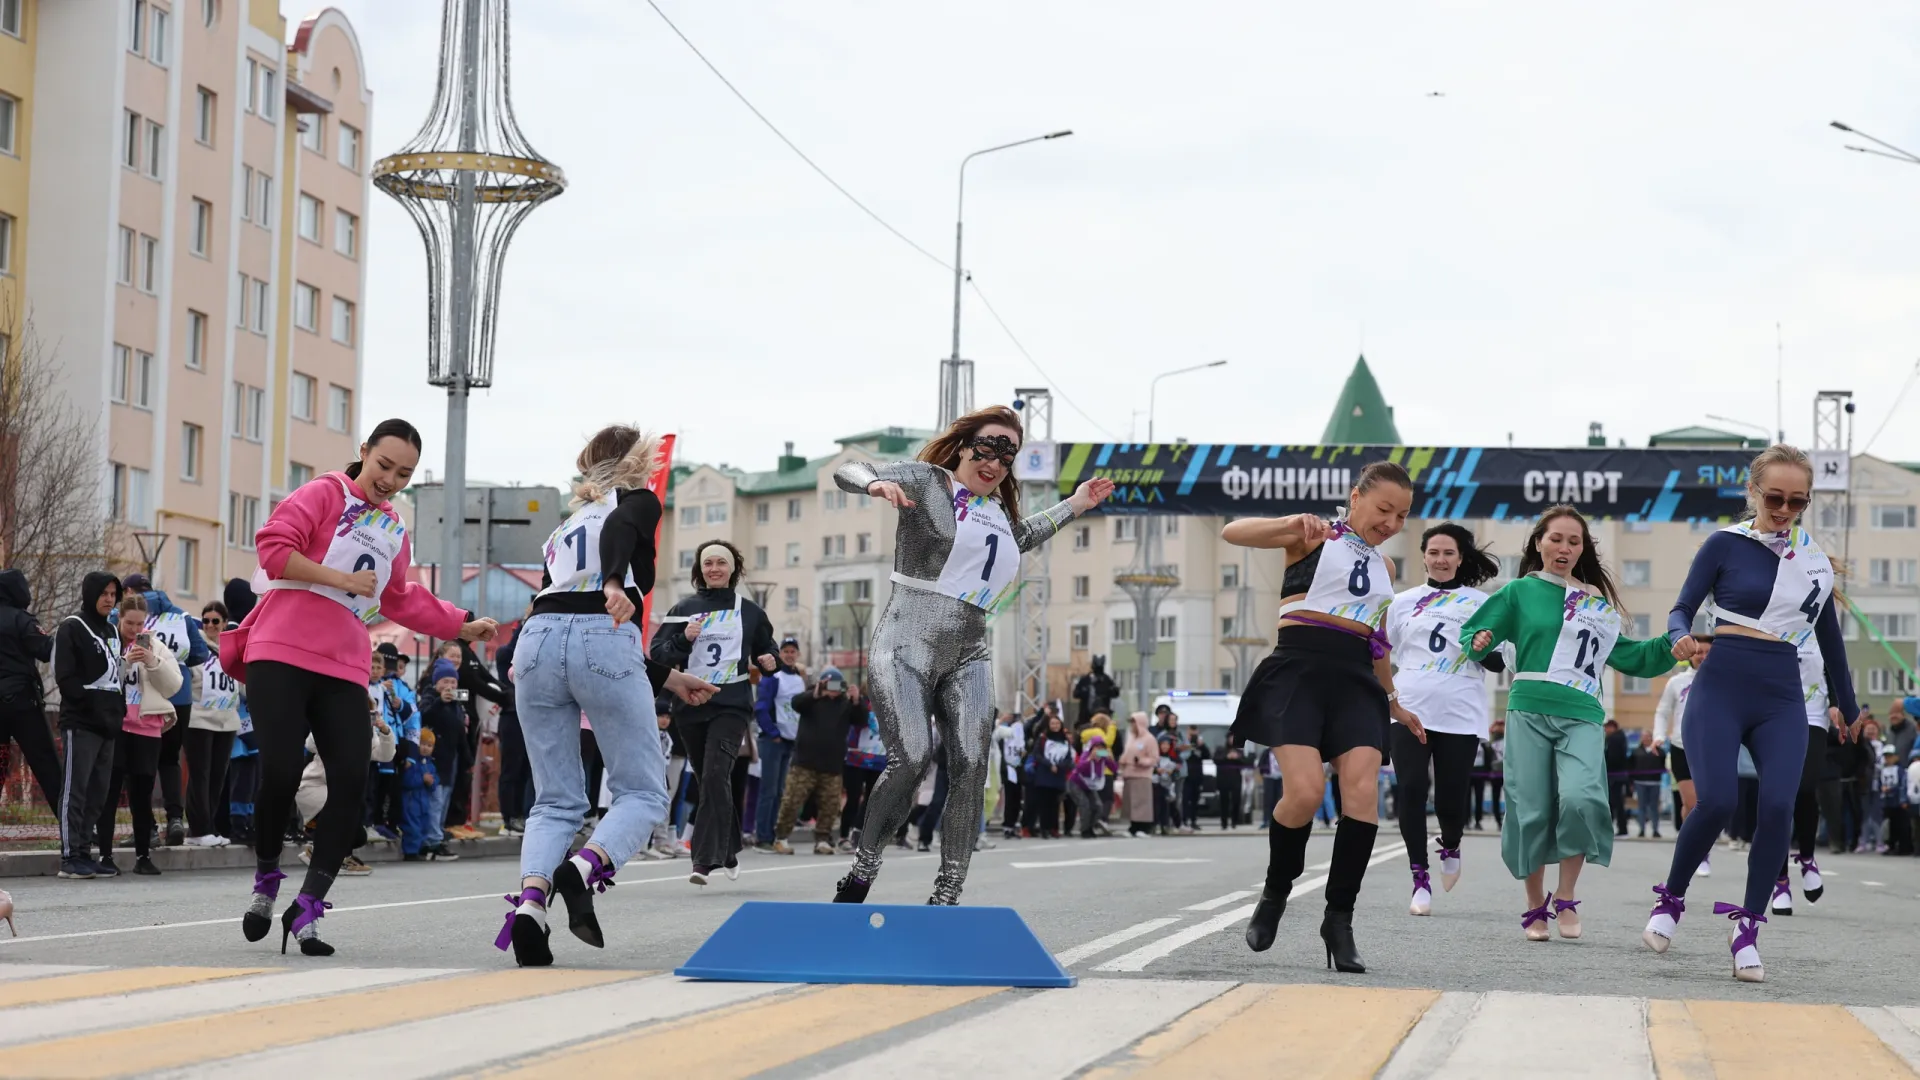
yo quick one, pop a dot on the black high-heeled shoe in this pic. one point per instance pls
(1337, 931)
(256, 923)
(577, 892)
(851, 889)
(1265, 923)
(302, 913)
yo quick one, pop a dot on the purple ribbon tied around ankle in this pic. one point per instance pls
(1749, 922)
(268, 884)
(506, 932)
(1540, 914)
(1560, 906)
(311, 911)
(1669, 904)
(1421, 880)
(1449, 853)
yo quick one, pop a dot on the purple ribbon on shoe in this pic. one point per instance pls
(1540, 914)
(311, 911)
(505, 940)
(1749, 933)
(1671, 905)
(1449, 853)
(1421, 880)
(1564, 905)
(268, 884)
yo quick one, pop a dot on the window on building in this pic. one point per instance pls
(116, 491)
(123, 271)
(1636, 573)
(1642, 626)
(793, 599)
(313, 132)
(1169, 627)
(793, 509)
(762, 512)
(1879, 571)
(140, 497)
(240, 302)
(1077, 636)
(206, 115)
(201, 238)
(1830, 514)
(260, 304)
(130, 138)
(1509, 566)
(137, 31)
(833, 499)
(863, 544)
(187, 576)
(833, 547)
(863, 590)
(159, 42)
(1633, 684)
(346, 234)
(298, 474)
(760, 557)
(149, 264)
(238, 407)
(1892, 627)
(686, 560)
(1170, 526)
(6, 244)
(339, 408)
(689, 517)
(1083, 538)
(1230, 575)
(263, 200)
(300, 396)
(306, 308)
(1082, 586)
(830, 592)
(1229, 626)
(716, 513)
(191, 438)
(247, 187)
(244, 521)
(142, 380)
(349, 146)
(121, 375)
(309, 218)
(9, 120)
(793, 554)
(1906, 571)
(256, 417)
(1892, 517)
(1125, 529)
(10, 22)
(156, 148)
(343, 321)
(1122, 632)
(269, 93)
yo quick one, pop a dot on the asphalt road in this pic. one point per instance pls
(1163, 908)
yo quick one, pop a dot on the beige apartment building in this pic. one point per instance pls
(190, 241)
(819, 560)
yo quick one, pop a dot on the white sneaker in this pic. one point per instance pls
(657, 854)
(208, 841)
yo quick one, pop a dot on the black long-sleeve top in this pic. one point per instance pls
(626, 546)
(671, 649)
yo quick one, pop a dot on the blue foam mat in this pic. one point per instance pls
(876, 943)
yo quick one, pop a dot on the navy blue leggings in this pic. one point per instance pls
(1748, 691)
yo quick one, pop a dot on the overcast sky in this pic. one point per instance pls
(1603, 218)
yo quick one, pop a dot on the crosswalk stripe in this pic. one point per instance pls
(1111, 941)
(1217, 902)
(1038, 1036)
(764, 1036)
(1897, 1033)
(1759, 1040)
(158, 1006)
(478, 1038)
(121, 1050)
(103, 983)
(11, 972)
(1326, 1031)
(1426, 1048)
(1182, 1031)
(1512, 1034)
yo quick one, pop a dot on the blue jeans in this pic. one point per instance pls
(442, 795)
(1646, 796)
(775, 756)
(566, 665)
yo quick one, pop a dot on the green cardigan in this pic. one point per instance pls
(1530, 613)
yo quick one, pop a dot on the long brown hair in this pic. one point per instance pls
(945, 451)
(1587, 568)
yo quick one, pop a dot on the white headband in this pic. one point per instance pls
(721, 548)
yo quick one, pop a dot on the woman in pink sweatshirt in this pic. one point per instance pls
(333, 557)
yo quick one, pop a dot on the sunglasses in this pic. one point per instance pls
(992, 447)
(209, 620)
(1776, 501)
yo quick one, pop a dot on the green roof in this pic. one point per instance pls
(1362, 415)
(1703, 436)
(893, 440)
(1910, 466)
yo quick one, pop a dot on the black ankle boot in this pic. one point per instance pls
(851, 889)
(1266, 921)
(1337, 931)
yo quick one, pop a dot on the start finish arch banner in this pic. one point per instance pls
(1448, 481)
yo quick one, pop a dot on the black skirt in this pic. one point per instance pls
(1317, 689)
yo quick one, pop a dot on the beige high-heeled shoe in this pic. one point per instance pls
(1567, 917)
(1534, 922)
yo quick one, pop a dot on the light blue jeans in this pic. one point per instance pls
(775, 756)
(442, 796)
(565, 665)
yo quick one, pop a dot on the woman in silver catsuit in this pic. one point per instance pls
(957, 553)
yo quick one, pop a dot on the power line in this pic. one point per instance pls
(988, 304)
(802, 154)
(877, 219)
(1895, 407)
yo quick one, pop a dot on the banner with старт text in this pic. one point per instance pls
(1459, 482)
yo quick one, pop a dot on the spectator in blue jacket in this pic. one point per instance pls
(779, 725)
(181, 632)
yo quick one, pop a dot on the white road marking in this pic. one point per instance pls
(1112, 941)
(1588, 1036)
(1101, 860)
(1894, 1027)
(1427, 1047)
(1138, 959)
(10, 972)
(1875, 884)
(1217, 902)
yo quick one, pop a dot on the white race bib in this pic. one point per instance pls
(984, 561)
(131, 688)
(172, 629)
(109, 680)
(218, 691)
(1349, 582)
(785, 718)
(716, 652)
(1424, 627)
(573, 551)
(1588, 632)
(1813, 681)
(364, 538)
(1802, 584)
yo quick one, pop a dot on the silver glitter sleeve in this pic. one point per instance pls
(1036, 529)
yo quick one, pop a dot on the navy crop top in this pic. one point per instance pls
(1298, 577)
(1739, 572)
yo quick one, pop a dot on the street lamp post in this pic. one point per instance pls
(1153, 389)
(952, 390)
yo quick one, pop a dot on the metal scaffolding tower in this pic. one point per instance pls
(1030, 622)
(1147, 582)
(1246, 645)
(1832, 511)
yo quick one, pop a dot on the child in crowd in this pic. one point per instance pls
(443, 715)
(418, 784)
(1891, 784)
(1089, 777)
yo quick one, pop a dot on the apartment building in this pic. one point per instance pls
(190, 240)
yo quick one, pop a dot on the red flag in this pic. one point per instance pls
(662, 474)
